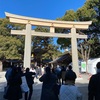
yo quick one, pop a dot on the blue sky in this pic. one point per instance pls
(49, 9)
(45, 9)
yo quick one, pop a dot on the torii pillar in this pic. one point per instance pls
(52, 24)
(74, 50)
(27, 51)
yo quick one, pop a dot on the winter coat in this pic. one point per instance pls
(69, 92)
(30, 78)
(14, 91)
(49, 81)
(94, 87)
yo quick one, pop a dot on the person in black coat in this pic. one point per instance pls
(63, 72)
(30, 81)
(49, 80)
(8, 73)
(94, 85)
(14, 91)
(70, 74)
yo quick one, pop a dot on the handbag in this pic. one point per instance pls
(24, 86)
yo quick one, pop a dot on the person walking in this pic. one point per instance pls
(49, 80)
(24, 86)
(69, 91)
(58, 73)
(63, 73)
(30, 81)
(94, 85)
(14, 90)
(8, 73)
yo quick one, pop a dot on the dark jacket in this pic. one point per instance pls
(63, 73)
(49, 81)
(94, 87)
(30, 77)
(14, 90)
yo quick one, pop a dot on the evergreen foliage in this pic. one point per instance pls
(90, 11)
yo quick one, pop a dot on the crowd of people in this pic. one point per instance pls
(14, 80)
(58, 83)
(53, 89)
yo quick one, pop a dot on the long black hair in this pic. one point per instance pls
(48, 73)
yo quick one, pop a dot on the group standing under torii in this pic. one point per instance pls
(48, 75)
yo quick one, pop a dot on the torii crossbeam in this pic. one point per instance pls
(52, 24)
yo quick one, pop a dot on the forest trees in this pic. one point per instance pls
(90, 11)
(12, 46)
(43, 47)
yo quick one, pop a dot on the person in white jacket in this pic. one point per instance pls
(69, 91)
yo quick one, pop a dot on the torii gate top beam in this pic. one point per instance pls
(43, 22)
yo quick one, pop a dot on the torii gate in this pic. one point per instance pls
(28, 21)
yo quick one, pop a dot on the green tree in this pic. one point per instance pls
(89, 11)
(6, 26)
(11, 46)
(64, 43)
(70, 15)
(43, 47)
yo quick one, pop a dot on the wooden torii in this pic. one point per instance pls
(28, 21)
